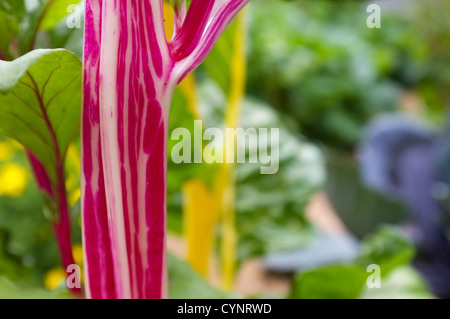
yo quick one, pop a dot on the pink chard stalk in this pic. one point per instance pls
(56, 195)
(130, 73)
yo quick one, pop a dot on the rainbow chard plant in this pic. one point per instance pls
(39, 108)
(130, 73)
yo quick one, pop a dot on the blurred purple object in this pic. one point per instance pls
(402, 157)
(385, 139)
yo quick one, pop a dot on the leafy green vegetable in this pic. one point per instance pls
(40, 104)
(402, 283)
(185, 283)
(388, 248)
(335, 282)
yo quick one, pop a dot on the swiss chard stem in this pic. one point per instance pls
(61, 220)
(130, 73)
(62, 226)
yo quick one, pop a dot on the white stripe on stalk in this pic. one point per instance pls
(160, 30)
(129, 199)
(110, 147)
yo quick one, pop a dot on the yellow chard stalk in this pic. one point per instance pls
(203, 206)
(226, 176)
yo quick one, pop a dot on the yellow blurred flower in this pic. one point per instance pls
(54, 277)
(13, 179)
(73, 175)
(74, 196)
(77, 251)
(73, 189)
(73, 158)
(71, 182)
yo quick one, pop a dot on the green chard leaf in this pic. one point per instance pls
(40, 98)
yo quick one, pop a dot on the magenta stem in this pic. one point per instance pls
(61, 227)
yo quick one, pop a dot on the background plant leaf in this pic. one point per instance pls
(9, 290)
(184, 283)
(388, 247)
(55, 11)
(8, 29)
(335, 282)
(41, 94)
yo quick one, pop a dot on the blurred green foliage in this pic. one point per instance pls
(320, 65)
(10, 290)
(335, 282)
(27, 244)
(386, 248)
(270, 208)
(186, 283)
(23, 19)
